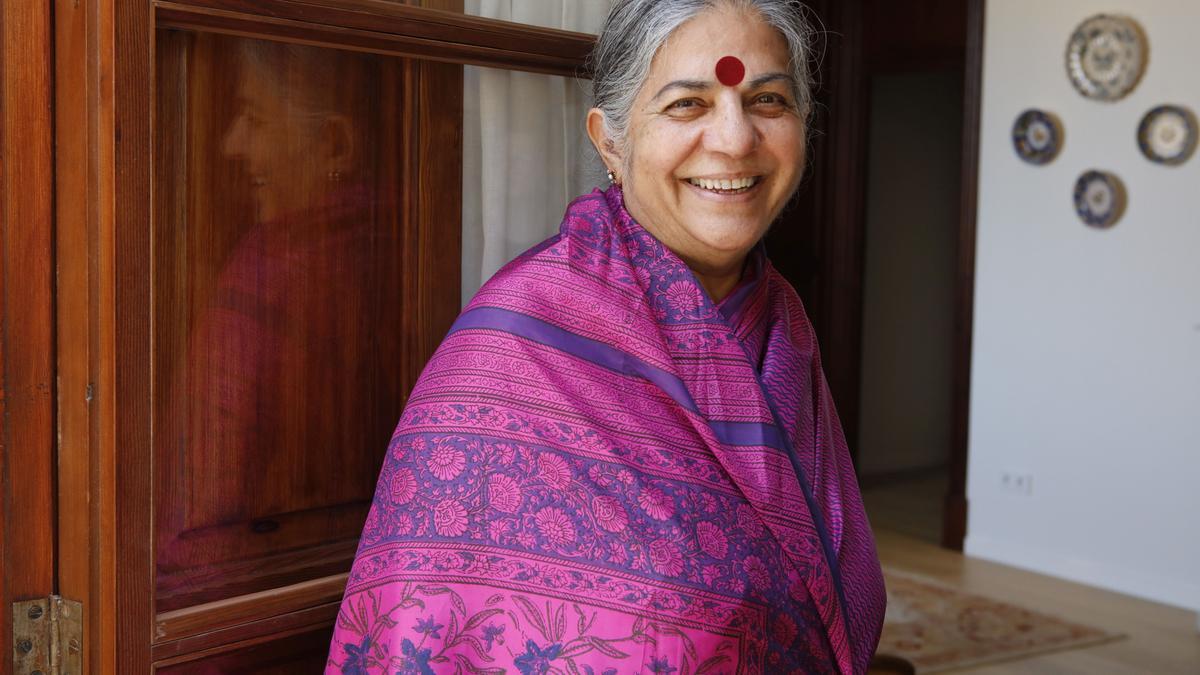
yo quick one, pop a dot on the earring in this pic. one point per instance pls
(612, 177)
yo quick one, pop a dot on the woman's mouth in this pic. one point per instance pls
(725, 186)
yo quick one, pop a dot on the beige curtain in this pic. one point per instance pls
(525, 151)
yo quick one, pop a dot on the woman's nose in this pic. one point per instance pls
(732, 132)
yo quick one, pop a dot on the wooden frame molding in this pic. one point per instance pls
(388, 28)
(954, 523)
(103, 136)
(189, 622)
(27, 381)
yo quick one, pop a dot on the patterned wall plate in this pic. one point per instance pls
(1167, 134)
(1106, 56)
(1099, 198)
(1037, 136)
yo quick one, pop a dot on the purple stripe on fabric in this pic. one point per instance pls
(585, 348)
(814, 507)
(748, 433)
(818, 516)
(515, 323)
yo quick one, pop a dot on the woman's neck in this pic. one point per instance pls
(719, 282)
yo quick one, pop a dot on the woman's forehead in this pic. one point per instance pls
(695, 49)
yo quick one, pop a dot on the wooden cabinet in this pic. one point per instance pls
(245, 243)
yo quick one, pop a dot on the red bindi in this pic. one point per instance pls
(730, 71)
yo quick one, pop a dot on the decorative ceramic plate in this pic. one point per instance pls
(1099, 198)
(1106, 56)
(1167, 134)
(1037, 136)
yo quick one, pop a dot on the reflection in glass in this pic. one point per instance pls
(277, 244)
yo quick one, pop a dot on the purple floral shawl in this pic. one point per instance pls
(602, 472)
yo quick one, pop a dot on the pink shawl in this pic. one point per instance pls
(600, 471)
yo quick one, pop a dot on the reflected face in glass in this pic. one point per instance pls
(710, 166)
(292, 152)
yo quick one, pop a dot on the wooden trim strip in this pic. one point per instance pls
(76, 111)
(124, 323)
(244, 635)
(396, 30)
(27, 375)
(190, 621)
(954, 524)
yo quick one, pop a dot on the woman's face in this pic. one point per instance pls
(290, 146)
(689, 133)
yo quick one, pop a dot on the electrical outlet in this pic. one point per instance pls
(1017, 483)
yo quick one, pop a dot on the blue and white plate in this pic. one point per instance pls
(1037, 136)
(1099, 198)
(1167, 134)
(1106, 56)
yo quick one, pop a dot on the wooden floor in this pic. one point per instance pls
(1161, 639)
(909, 505)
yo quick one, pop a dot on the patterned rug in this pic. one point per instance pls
(937, 628)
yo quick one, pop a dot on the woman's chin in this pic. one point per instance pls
(731, 237)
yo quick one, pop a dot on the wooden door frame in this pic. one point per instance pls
(819, 245)
(103, 95)
(954, 510)
(27, 382)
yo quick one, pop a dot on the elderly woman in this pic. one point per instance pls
(624, 457)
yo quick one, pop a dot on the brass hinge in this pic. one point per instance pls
(48, 637)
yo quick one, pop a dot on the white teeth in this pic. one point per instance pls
(723, 183)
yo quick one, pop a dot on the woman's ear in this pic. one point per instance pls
(598, 131)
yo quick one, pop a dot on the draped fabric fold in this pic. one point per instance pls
(601, 471)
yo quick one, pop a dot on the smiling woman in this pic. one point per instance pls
(624, 456)
(705, 166)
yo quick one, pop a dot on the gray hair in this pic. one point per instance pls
(636, 29)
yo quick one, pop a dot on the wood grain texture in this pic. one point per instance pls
(278, 244)
(439, 221)
(388, 28)
(909, 36)
(256, 238)
(318, 616)
(133, 286)
(213, 616)
(126, 269)
(76, 108)
(842, 255)
(954, 528)
(85, 564)
(26, 311)
(444, 5)
(302, 650)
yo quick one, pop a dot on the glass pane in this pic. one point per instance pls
(582, 16)
(526, 155)
(277, 307)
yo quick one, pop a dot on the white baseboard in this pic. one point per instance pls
(1184, 593)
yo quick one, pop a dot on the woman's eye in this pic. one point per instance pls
(684, 107)
(770, 104)
(770, 100)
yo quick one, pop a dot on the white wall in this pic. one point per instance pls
(1086, 366)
